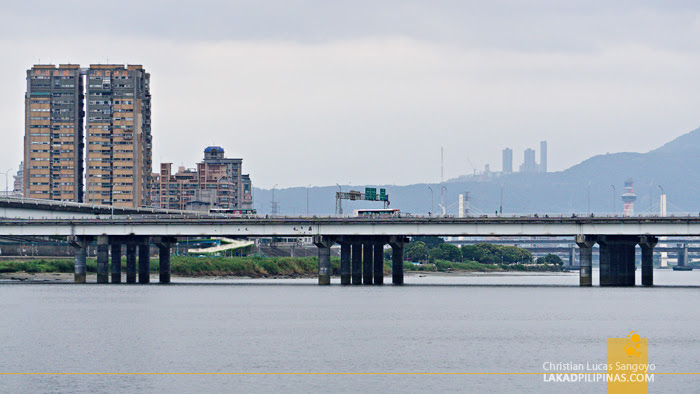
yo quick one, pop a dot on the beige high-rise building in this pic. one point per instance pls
(53, 139)
(119, 158)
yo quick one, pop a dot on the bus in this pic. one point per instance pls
(232, 212)
(377, 213)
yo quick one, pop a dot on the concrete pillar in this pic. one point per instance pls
(617, 260)
(585, 250)
(324, 259)
(116, 262)
(80, 245)
(164, 244)
(367, 264)
(397, 244)
(572, 259)
(379, 262)
(144, 262)
(102, 259)
(683, 256)
(647, 244)
(130, 263)
(345, 272)
(164, 264)
(356, 262)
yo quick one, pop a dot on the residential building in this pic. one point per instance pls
(529, 164)
(543, 156)
(216, 183)
(119, 151)
(53, 139)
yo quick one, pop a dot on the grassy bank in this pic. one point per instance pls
(473, 266)
(259, 267)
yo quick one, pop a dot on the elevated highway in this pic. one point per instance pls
(362, 239)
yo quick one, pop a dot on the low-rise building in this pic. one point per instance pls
(216, 183)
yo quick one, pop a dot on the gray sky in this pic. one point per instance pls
(366, 92)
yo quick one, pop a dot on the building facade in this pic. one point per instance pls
(117, 166)
(53, 138)
(119, 143)
(217, 183)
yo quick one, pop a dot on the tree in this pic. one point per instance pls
(416, 251)
(553, 259)
(430, 242)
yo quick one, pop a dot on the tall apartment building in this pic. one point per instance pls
(53, 139)
(543, 156)
(119, 158)
(216, 183)
(529, 163)
(507, 160)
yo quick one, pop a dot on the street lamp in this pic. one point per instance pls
(432, 204)
(614, 194)
(6, 174)
(500, 208)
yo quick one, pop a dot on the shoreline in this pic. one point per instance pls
(57, 277)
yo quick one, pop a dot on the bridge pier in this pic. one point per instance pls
(356, 262)
(324, 243)
(379, 261)
(144, 261)
(617, 259)
(164, 244)
(367, 262)
(131, 262)
(116, 268)
(647, 244)
(102, 259)
(345, 252)
(397, 244)
(585, 250)
(80, 262)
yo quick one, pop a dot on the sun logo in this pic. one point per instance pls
(633, 346)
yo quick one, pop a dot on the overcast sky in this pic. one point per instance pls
(366, 92)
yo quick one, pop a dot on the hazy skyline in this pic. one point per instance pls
(367, 92)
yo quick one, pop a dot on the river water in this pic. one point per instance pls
(480, 323)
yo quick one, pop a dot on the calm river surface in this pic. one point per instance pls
(483, 323)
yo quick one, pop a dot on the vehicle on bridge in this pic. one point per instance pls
(377, 213)
(232, 212)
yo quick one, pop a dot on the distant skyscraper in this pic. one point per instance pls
(119, 162)
(507, 160)
(543, 156)
(53, 139)
(529, 164)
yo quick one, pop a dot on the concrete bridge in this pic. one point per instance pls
(361, 239)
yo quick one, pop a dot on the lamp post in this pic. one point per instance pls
(500, 208)
(6, 189)
(432, 204)
(613, 197)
